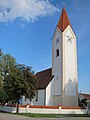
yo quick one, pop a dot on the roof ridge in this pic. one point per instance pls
(44, 70)
(84, 93)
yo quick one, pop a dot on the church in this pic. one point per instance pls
(59, 85)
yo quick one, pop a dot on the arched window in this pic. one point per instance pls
(57, 52)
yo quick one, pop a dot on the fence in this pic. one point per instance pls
(44, 109)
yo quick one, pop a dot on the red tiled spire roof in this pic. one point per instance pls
(64, 20)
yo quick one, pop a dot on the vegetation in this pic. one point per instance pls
(16, 80)
(53, 115)
(83, 103)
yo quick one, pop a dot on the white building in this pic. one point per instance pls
(59, 84)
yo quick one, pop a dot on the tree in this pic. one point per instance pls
(7, 63)
(0, 82)
(0, 72)
(3, 96)
(19, 82)
(0, 52)
(83, 102)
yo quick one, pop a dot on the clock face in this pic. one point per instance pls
(69, 39)
(57, 40)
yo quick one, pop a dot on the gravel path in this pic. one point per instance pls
(5, 116)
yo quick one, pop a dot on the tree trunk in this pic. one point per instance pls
(17, 107)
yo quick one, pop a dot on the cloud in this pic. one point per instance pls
(25, 10)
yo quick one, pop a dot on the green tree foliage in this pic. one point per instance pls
(0, 72)
(3, 96)
(0, 52)
(83, 102)
(7, 63)
(19, 82)
(16, 80)
(0, 82)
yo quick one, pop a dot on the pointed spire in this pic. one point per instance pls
(64, 20)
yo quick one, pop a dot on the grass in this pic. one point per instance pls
(52, 115)
(42, 115)
(49, 115)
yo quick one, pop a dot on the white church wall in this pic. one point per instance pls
(56, 62)
(57, 100)
(70, 84)
(49, 94)
(52, 99)
(70, 60)
(40, 100)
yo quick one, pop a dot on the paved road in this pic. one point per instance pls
(5, 116)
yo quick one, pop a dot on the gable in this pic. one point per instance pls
(70, 32)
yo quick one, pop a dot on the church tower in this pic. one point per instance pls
(64, 63)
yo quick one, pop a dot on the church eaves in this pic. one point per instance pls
(64, 20)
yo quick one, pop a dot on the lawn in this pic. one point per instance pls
(49, 115)
(53, 115)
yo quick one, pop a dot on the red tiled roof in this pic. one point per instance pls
(64, 20)
(87, 96)
(46, 107)
(43, 78)
(71, 107)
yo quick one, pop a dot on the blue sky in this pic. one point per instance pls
(27, 27)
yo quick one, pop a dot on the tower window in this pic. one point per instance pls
(57, 52)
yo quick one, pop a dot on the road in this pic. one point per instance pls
(5, 116)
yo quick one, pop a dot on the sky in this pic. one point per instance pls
(27, 27)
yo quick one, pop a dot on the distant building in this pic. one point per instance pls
(84, 100)
(59, 84)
